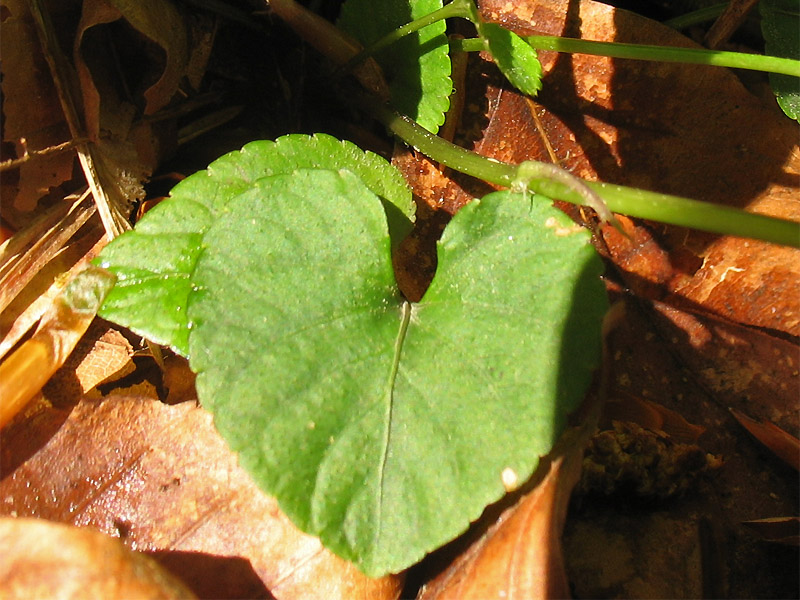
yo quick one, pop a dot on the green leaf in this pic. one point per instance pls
(515, 58)
(417, 67)
(153, 264)
(383, 427)
(780, 25)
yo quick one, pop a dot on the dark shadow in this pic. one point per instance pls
(559, 95)
(214, 577)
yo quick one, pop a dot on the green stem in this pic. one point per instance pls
(454, 9)
(457, 8)
(709, 13)
(736, 60)
(665, 208)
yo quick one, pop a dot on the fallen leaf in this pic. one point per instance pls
(101, 354)
(31, 364)
(50, 560)
(38, 262)
(781, 530)
(653, 549)
(742, 366)
(160, 478)
(706, 137)
(520, 555)
(41, 122)
(157, 78)
(785, 446)
(650, 415)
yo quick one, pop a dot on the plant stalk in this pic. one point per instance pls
(665, 208)
(697, 56)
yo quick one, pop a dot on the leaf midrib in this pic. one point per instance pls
(389, 400)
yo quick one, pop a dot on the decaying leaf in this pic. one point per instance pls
(160, 478)
(42, 559)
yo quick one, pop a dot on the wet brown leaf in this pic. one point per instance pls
(42, 559)
(160, 478)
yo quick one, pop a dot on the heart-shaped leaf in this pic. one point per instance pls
(381, 426)
(154, 263)
(418, 66)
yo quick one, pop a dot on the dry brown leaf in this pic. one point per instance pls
(656, 550)
(102, 354)
(50, 560)
(40, 121)
(650, 415)
(520, 556)
(781, 530)
(26, 370)
(785, 446)
(160, 478)
(741, 366)
(105, 104)
(683, 129)
(36, 286)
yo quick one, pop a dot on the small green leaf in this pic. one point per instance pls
(780, 25)
(153, 264)
(383, 427)
(417, 67)
(515, 58)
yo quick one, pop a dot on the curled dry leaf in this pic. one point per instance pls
(159, 22)
(152, 40)
(160, 478)
(42, 559)
(626, 407)
(101, 355)
(705, 137)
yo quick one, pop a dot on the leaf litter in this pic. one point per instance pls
(669, 266)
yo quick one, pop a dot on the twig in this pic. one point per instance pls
(15, 163)
(728, 22)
